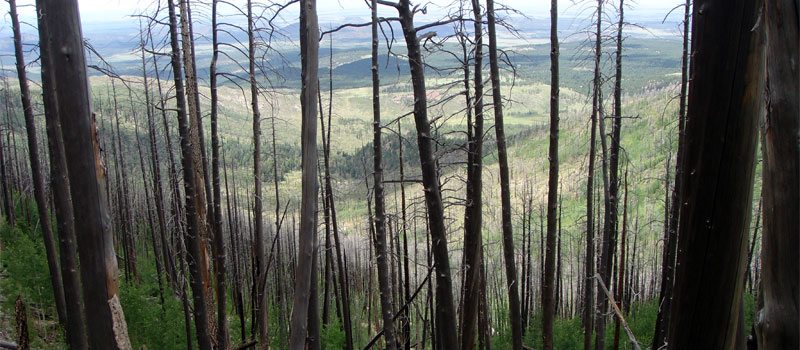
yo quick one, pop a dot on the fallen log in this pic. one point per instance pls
(6, 345)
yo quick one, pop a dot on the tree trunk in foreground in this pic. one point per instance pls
(307, 241)
(777, 324)
(725, 104)
(62, 204)
(106, 328)
(36, 172)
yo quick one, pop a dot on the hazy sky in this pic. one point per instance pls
(112, 10)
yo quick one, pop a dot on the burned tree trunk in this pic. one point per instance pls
(62, 203)
(445, 310)
(382, 254)
(8, 206)
(198, 153)
(21, 318)
(307, 241)
(193, 192)
(158, 197)
(124, 198)
(777, 322)
(36, 173)
(330, 212)
(549, 287)
(610, 224)
(259, 279)
(621, 270)
(588, 307)
(668, 265)
(106, 328)
(473, 221)
(725, 104)
(505, 192)
(175, 207)
(216, 223)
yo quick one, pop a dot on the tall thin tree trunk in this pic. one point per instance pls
(8, 206)
(124, 198)
(505, 192)
(330, 204)
(590, 224)
(5, 176)
(668, 265)
(216, 223)
(175, 207)
(312, 340)
(473, 221)
(621, 273)
(156, 170)
(307, 243)
(193, 92)
(36, 173)
(193, 206)
(382, 254)
(407, 327)
(445, 309)
(608, 243)
(259, 279)
(198, 152)
(159, 267)
(549, 288)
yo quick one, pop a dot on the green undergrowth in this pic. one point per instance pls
(23, 267)
(24, 272)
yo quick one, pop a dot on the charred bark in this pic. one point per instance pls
(725, 104)
(106, 328)
(505, 192)
(306, 245)
(777, 320)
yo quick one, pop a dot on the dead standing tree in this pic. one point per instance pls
(36, 172)
(611, 177)
(258, 225)
(588, 306)
(505, 192)
(193, 207)
(445, 309)
(725, 104)
(203, 200)
(106, 326)
(473, 218)
(306, 245)
(387, 308)
(777, 323)
(549, 287)
(62, 202)
(671, 242)
(216, 223)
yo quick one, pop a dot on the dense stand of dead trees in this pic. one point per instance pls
(262, 267)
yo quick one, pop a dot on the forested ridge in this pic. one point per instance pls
(430, 176)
